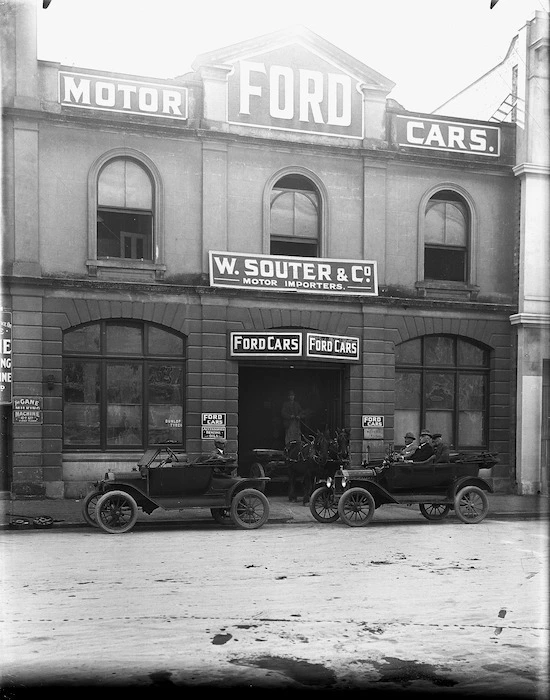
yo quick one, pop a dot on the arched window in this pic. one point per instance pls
(441, 383)
(124, 211)
(294, 217)
(446, 237)
(123, 386)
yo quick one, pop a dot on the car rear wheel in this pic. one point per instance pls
(323, 505)
(88, 508)
(221, 515)
(257, 471)
(116, 512)
(356, 507)
(434, 511)
(471, 505)
(249, 509)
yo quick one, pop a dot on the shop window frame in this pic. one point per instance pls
(468, 288)
(322, 206)
(105, 358)
(118, 268)
(425, 370)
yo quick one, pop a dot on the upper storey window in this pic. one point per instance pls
(124, 211)
(446, 238)
(295, 217)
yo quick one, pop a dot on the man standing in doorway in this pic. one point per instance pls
(291, 413)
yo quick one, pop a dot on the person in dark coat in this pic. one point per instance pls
(425, 450)
(441, 450)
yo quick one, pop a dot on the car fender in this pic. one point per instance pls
(243, 483)
(139, 497)
(463, 481)
(378, 492)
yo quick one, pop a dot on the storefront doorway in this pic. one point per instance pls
(262, 391)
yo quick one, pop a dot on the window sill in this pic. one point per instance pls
(442, 289)
(125, 270)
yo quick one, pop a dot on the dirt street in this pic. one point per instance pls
(427, 607)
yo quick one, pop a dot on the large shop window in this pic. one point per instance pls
(446, 238)
(124, 211)
(123, 386)
(295, 217)
(441, 383)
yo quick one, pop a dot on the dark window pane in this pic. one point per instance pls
(81, 403)
(301, 250)
(165, 424)
(124, 399)
(445, 264)
(165, 384)
(440, 391)
(407, 390)
(163, 343)
(84, 339)
(80, 382)
(409, 352)
(124, 234)
(124, 339)
(438, 350)
(471, 355)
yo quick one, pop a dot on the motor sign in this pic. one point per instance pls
(5, 358)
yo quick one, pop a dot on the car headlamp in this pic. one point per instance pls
(329, 481)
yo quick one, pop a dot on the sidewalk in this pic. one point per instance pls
(67, 512)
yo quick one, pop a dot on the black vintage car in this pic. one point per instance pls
(165, 479)
(353, 495)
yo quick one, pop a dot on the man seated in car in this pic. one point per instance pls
(218, 455)
(441, 450)
(411, 445)
(425, 449)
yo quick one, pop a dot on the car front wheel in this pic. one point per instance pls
(323, 505)
(434, 511)
(356, 507)
(249, 509)
(116, 512)
(88, 508)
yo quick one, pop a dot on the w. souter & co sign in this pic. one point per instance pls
(293, 274)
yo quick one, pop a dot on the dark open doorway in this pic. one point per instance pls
(262, 391)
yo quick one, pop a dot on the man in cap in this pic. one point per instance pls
(425, 450)
(441, 450)
(411, 445)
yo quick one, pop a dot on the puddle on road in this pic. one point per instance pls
(404, 672)
(299, 670)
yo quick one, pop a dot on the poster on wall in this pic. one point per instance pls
(5, 358)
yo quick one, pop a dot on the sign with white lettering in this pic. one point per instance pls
(214, 418)
(442, 135)
(335, 347)
(121, 95)
(27, 410)
(212, 433)
(265, 344)
(293, 89)
(372, 421)
(292, 274)
(5, 357)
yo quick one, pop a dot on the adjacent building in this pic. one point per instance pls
(179, 254)
(517, 91)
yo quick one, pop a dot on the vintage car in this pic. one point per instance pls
(353, 495)
(165, 479)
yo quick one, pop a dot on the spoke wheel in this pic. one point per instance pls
(257, 471)
(356, 507)
(434, 511)
(221, 515)
(88, 508)
(323, 506)
(116, 512)
(249, 509)
(471, 504)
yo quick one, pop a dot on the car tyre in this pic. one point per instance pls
(323, 505)
(356, 507)
(434, 511)
(116, 512)
(88, 508)
(471, 505)
(249, 509)
(222, 515)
